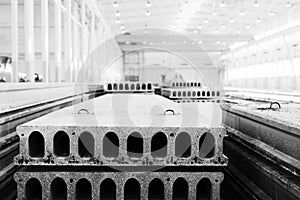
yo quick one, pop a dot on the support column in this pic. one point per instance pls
(45, 38)
(92, 70)
(83, 32)
(14, 41)
(29, 38)
(57, 41)
(67, 42)
(75, 43)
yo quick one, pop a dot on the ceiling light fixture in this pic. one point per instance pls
(272, 13)
(215, 13)
(231, 20)
(148, 4)
(200, 26)
(118, 14)
(206, 21)
(258, 20)
(195, 31)
(118, 21)
(223, 26)
(200, 42)
(186, 2)
(223, 4)
(144, 42)
(115, 4)
(122, 27)
(247, 26)
(127, 42)
(238, 31)
(218, 42)
(148, 13)
(216, 31)
(242, 13)
(256, 4)
(288, 4)
(123, 31)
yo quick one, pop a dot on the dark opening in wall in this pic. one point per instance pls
(86, 145)
(188, 84)
(189, 93)
(108, 190)
(213, 93)
(143, 86)
(192, 84)
(180, 84)
(111, 145)
(198, 94)
(199, 84)
(61, 144)
(58, 189)
(174, 94)
(208, 93)
(149, 86)
(180, 189)
(183, 145)
(132, 87)
(194, 94)
(184, 94)
(173, 84)
(179, 94)
(159, 145)
(115, 86)
(135, 145)
(203, 93)
(177, 84)
(120, 86)
(126, 86)
(138, 87)
(36, 144)
(218, 93)
(207, 146)
(83, 190)
(109, 87)
(184, 84)
(204, 189)
(156, 190)
(33, 189)
(132, 190)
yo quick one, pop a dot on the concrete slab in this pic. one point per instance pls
(185, 134)
(123, 185)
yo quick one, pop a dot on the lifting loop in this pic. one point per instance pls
(83, 111)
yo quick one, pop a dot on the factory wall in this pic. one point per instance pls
(270, 64)
(93, 41)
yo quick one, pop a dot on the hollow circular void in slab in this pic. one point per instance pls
(207, 145)
(108, 189)
(58, 189)
(156, 190)
(132, 190)
(159, 145)
(33, 189)
(135, 145)
(183, 145)
(111, 145)
(86, 145)
(83, 190)
(204, 189)
(36, 144)
(61, 144)
(180, 189)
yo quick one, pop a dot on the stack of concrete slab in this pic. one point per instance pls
(122, 146)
